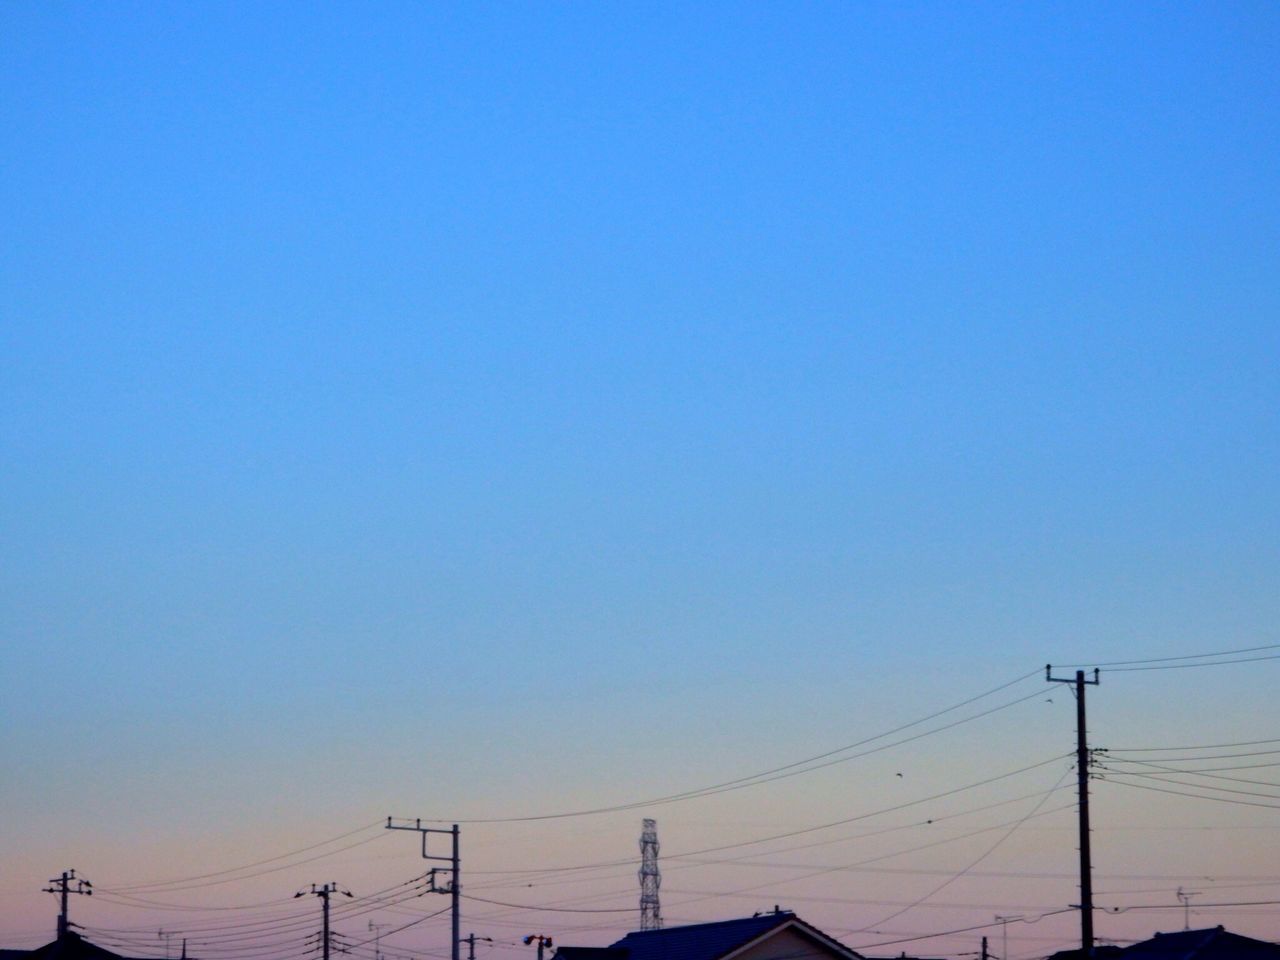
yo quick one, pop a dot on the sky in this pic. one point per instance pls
(481, 412)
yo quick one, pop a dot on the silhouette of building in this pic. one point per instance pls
(769, 936)
(69, 946)
(1215, 943)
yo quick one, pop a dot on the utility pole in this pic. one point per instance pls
(985, 954)
(471, 944)
(62, 885)
(324, 893)
(377, 929)
(454, 888)
(540, 939)
(1082, 781)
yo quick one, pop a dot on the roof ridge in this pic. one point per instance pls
(771, 915)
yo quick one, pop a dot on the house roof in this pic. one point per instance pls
(1214, 943)
(707, 941)
(69, 946)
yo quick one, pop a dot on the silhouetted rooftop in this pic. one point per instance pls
(1214, 943)
(702, 941)
(70, 946)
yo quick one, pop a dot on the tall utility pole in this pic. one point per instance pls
(62, 885)
(454, 889)
(471, 944)
(324, 893)
(650, 877)
(1082, 782)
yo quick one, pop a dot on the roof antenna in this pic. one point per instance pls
(1185, 896)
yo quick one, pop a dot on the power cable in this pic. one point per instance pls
(279, 930)
(183, 885)
(990, 850)
(1164, 778)
(1203, 746)
(1184, 666)
(776, 773)
(1197, 796)
(948, 933)
(860, 863)
(390, 933)
(1198, 906)
(1200, 772)
(1187, 656)
(1211, 756)
(528, 906)
(247, 866)
(730, 846)
(690, 861)
(880, 812)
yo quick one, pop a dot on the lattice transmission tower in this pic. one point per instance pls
(650, 878)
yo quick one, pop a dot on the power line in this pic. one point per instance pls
(1187, 656)
(1184, 666)
(530, 906)
(360, 904)
(880, 812)
(1197, 796)
(1199, 906)
(857, 865)
(248, 866)
(864, 836)
(863, 901)
(948, 933)
(897, 853)
(176, 886)
(1206, 771)
(860, 863)
(784, 771)
(1202, 746)
(1211, 756)
(414, 923)
(1208, 774)
(691, 862)
(534, 875)
(280, 932)
(125, 899)
(1164, 778)
(268, 942)
(990, 850)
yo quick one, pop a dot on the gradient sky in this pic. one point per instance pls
(489, 409)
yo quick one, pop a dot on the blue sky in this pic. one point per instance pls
(574, 387)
